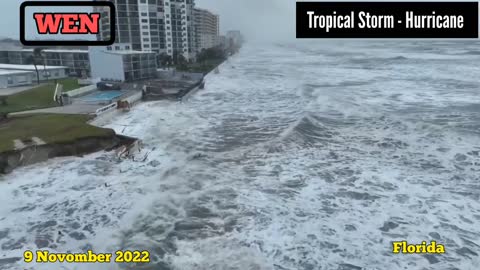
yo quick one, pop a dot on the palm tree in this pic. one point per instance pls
(162, 58)
(31, 60)
(40, 58)
(181, 59)
(175, 57)
(3, 102)
(165, 60)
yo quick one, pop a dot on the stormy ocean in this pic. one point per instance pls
(295, 156)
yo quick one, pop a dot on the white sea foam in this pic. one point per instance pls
(293, 157)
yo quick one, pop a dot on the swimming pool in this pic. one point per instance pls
(102, 96)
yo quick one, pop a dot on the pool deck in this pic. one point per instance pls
(77, 107)
(102, 96)
(69, 109)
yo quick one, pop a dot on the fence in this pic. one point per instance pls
(82, 91)
(106, 108)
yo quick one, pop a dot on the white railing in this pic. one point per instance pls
(84, 82)
(82, 91)
(106, 108)
(88, 81)
(58, 91)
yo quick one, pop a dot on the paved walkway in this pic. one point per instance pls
(78, 107)
(70, 109)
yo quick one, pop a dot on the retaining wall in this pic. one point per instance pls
(39, 153)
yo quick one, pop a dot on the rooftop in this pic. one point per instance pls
(128, 52)
(49, 50)
(7, 72)
(28, 67)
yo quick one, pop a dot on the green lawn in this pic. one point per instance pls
(51, 128)
(69, 84)
(204, 67)
(37, 98)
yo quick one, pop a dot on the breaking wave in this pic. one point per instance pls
(293, 157)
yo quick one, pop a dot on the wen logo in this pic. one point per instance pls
(63, 18)
(81, 23)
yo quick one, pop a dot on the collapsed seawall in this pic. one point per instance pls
(10, 160)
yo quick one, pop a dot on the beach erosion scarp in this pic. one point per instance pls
(10, 160)
(110, 140)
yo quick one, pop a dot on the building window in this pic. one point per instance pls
(144, 20)
(109, 48)
(10, 80)
(127, 47)
(144, 14)
(117, 48)
(143, 1)
(144, 26)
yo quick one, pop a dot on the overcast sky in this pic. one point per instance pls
(257, 19)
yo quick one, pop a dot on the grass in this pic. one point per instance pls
(37, 98)
(204, 67)
(51, 128)
(69, 84)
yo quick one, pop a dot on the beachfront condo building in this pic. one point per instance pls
(235, 37)
(161, 26)
(76, 61)
(207, 29)
(118, 63)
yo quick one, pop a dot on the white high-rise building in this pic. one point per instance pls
(161, 26)
(207, 29)
(179, 28)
